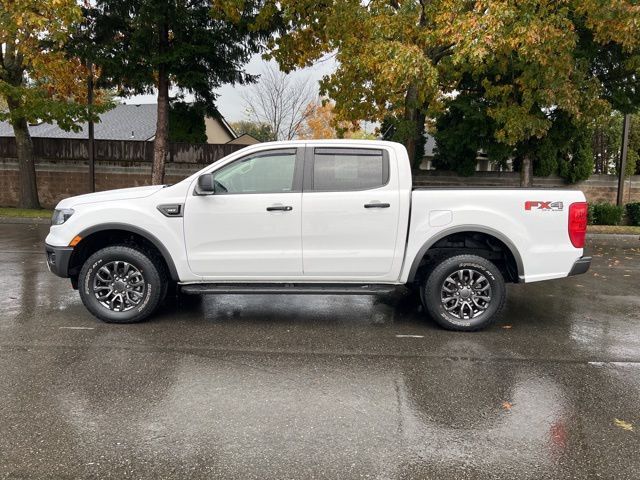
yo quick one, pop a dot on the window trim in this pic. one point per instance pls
(309, 164)
(297, 169)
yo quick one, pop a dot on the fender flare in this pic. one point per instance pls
(173, 272)
(471, 229)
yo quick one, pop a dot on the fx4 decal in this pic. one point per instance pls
(547, 206)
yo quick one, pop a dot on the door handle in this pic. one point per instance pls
(283, 208)
(376, 205)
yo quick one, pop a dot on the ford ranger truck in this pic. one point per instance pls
(315, 217)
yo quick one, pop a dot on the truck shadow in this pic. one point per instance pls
(400, 306)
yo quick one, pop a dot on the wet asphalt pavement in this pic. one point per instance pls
(301, 387)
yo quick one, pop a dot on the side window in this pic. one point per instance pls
(341, 169)
(265, 172)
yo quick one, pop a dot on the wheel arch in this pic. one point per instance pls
(134, 231)
(471, 229)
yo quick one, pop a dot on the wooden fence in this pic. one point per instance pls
(119, 150)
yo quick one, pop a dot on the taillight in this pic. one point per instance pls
(578, 223)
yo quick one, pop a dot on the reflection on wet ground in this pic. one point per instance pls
(320, 386)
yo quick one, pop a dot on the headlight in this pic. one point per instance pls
(60, 216)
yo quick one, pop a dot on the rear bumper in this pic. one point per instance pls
(580, 266)
(58, 259)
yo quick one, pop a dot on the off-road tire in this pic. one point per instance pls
(433, 291)
(153, 279)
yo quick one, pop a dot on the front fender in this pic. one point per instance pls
(165, 233)
(143, 233)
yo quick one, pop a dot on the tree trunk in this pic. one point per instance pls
(598, 149)
(162, 126)
(414, 120)
(91, 142)
(526, 172)
(162, 130)
(420, 140)
(624, 151)
(26, 161)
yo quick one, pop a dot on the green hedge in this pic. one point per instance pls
(605, 214)
(590, 214)
(633, 213)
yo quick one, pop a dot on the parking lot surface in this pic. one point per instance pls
(302, 387)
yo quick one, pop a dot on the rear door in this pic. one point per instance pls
(350, 206)
(251, 226)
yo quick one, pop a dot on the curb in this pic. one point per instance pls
(28, 221)
(612, 236)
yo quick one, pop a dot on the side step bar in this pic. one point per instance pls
(290, 288)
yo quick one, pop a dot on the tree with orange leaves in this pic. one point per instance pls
(321, 121)
(38, 81)
(404, 58)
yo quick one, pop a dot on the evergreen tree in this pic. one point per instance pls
(186, 123)
(465, 128)
(154, 45)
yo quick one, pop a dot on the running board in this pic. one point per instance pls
(290, 288)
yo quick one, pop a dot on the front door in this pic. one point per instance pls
(251, 226)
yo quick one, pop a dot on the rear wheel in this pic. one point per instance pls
(121, 284)
(464, 293)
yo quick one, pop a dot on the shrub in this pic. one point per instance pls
(633, 213)
(578, 166)
(606, 214)
(590, 220)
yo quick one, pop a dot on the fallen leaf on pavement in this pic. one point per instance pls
(623, 425)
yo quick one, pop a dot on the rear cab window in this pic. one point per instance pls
(348, 169)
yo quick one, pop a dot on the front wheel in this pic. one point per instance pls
(121, 284)
(464, 293)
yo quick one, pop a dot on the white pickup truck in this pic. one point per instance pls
(321, 217)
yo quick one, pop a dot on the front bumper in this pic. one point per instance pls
(58, 259)
(580, 266)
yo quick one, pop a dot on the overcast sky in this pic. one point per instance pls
(230, 102)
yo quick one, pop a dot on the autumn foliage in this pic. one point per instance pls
(527, 60)
(38, 81)
(321, 122)
(37, 78)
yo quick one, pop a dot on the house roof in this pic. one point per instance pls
(245, 139)
(226, 125)
(124, 122)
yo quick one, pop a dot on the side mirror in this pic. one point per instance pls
(205, 185)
